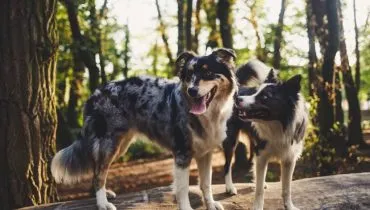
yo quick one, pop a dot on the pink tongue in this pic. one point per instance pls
(199, 106)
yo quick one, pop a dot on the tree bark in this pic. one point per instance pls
(79, 40)
(261, 53)
(162, 28)
(354, 122)
(224, 16)
(279, 36)
(180, 26)
(188, 24)
(357, 50)
(126, 51)
(28, 40)
(326, 90)
(95, 21)
(76, 90)
(214, 36)
(197, 26)
(312, 57)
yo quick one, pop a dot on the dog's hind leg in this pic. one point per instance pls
(205, 173)
(260, 175)
(287, 169)
(229, 148)
(105, 151)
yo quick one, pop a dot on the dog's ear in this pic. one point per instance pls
(226, 56)
(181, 62)
(271, 77)
(293, 84)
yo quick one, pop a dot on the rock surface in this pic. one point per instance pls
(347, 191)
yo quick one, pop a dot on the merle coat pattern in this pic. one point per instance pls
(274, 117)
(187, 116)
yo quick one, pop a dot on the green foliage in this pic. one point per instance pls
(142, 148)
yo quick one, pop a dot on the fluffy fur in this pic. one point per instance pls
(187, 116)
(274, 117)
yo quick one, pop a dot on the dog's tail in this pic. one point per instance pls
(253, 73)
(70, 163)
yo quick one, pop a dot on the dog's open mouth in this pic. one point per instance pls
(199, 105)
(253, 113)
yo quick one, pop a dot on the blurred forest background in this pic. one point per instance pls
(55, 53)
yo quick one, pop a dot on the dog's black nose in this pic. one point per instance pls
(193, 91)
(239, 101)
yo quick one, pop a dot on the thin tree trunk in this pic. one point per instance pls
(95, 21)
(339, 143)
(312, 57)
(197, 26)
(214, 36)
(126, 51)
(252, 19)
(180, 26)
(78, 40)
(279, 36)
(354, 122)
(28, 57)
(326, 90)
(76, 89)
(162, 28)
(224, 16)
(188, 23)
(357, 50)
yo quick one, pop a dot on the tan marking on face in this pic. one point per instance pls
(205, 87)
(205, 66)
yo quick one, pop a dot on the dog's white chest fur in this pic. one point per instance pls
(214, 130)
(281, 143)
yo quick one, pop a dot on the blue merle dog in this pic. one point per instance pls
(274, 118)
(187, 116)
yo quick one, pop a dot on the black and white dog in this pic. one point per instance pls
(274, 117)
(188, 117)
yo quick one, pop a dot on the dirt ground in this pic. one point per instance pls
(140, 175)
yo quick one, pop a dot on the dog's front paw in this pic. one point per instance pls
(106, 206)
(291, 207)
(258, 205)
(215, 206)
(231, 190)
(186, 208)
(110, 194)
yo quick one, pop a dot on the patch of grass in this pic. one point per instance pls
(142, 148)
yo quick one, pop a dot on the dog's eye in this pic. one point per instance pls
(265, 97)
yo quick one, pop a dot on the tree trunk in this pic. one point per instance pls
(162, 28)
(279, 36)
(261, 53)
(214, 36)
(78, 40)
(126, 51)
(197, 26)
(76, 89)
(95, 27)
(326, 90)
(180, 26)
(357, 50)
(312, 57)
(339, 144)
(28, 40)
(354, 122)
(188, 23)
(224, 16)
(155, 59)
